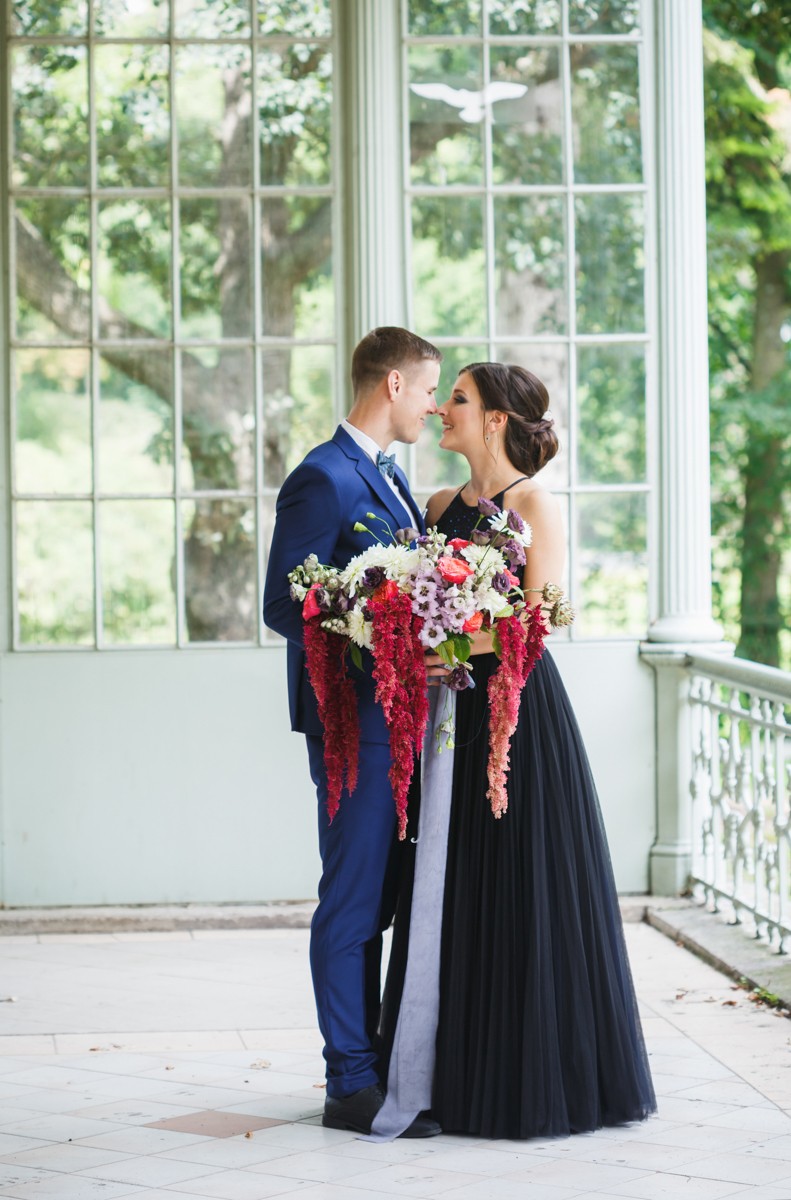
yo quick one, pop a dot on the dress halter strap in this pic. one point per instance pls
(521, 479)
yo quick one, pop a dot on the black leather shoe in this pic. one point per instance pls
(355, 1112)
(422, 1126)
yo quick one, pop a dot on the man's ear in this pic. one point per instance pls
(395, 383)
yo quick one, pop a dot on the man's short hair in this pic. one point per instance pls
(388, 348)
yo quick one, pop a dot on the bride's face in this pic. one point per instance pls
(462, 417)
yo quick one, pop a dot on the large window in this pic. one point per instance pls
(173, 306)
(527, 201)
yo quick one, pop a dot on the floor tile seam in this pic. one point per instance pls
(715, 1058)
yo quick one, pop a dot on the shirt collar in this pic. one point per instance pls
(365, 442)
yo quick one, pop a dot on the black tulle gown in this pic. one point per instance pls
(538, 1027)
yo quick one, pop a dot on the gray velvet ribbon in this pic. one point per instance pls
(411, 1071)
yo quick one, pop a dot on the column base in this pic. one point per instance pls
(685, 629)
(669, 866)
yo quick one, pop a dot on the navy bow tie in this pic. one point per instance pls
(386, 463)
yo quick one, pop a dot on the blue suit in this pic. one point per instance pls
(335, 486)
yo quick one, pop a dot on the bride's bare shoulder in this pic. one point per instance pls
(438, 503)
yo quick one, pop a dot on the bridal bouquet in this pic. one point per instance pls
(401, 598)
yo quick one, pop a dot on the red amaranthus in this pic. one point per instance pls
(522, 643)
(401, 689)
(325, 653)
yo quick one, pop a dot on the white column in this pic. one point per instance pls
(370, 40)
(684, 497)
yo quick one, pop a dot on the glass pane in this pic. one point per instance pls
(448, 266)
(436, 468)
(524, 16)
(50, 99)
(446, 110)
(132, 116)
(296, 240)
(294, 106)
(131, 18)
(610, 264)
(213, 115)
(297, 18)
(530, 261)
(138, 540)
(134, 269)
(604, 16)
(53, 421)
(52, 269)
(299, 412)
(219, 419)
(220, 570)
(612, 566)
(611, 399)
(38, 18)
(54, 571)
(135, 435)
(215, 268)
(208, 19)
(605, 108)
(527, 124)
(449, 17)
(550, 364)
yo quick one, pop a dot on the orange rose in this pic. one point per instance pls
(473, 624)
(454, 570)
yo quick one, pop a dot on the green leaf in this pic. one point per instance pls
(356, 654)
(445, 651)
(462, 645)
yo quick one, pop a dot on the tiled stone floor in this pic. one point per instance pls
(185, 1066)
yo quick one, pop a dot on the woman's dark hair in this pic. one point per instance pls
(530, 438)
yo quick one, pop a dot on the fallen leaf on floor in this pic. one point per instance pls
(170, 1068)
(248, 1134)
(730, 1003)
(320, 1085)
(260, 1064)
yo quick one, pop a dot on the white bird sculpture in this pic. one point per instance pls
(471, 105)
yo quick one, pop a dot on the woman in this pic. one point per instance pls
(537, 1032)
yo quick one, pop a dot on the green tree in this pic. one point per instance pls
(748, 162)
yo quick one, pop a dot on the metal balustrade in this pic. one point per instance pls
(740, 783)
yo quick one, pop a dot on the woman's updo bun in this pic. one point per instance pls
(530, 438)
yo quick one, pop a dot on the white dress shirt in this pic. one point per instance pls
(370, 447)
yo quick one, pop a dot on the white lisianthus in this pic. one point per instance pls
(358, 629)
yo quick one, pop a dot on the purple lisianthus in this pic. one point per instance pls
(459, 679)
(323, 599)
(515, 522)
(406, 535)
(487, 508)
(515, 553)
(501, 583)
(373, 577)
(479, 537)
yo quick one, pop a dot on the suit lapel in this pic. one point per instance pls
(377, 483)
(410, 500)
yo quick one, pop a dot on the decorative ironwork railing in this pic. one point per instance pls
(740, 785)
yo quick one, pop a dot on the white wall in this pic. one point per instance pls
(164, 776)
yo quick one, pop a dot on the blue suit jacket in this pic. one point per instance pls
(336, 485)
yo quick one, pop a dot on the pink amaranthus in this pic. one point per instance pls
(521, 644)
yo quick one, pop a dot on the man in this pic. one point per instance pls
(394, 378)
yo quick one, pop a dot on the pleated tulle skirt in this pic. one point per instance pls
(538, 1028)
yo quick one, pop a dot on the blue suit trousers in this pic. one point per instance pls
(356, 899)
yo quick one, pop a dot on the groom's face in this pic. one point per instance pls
(415, 399)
